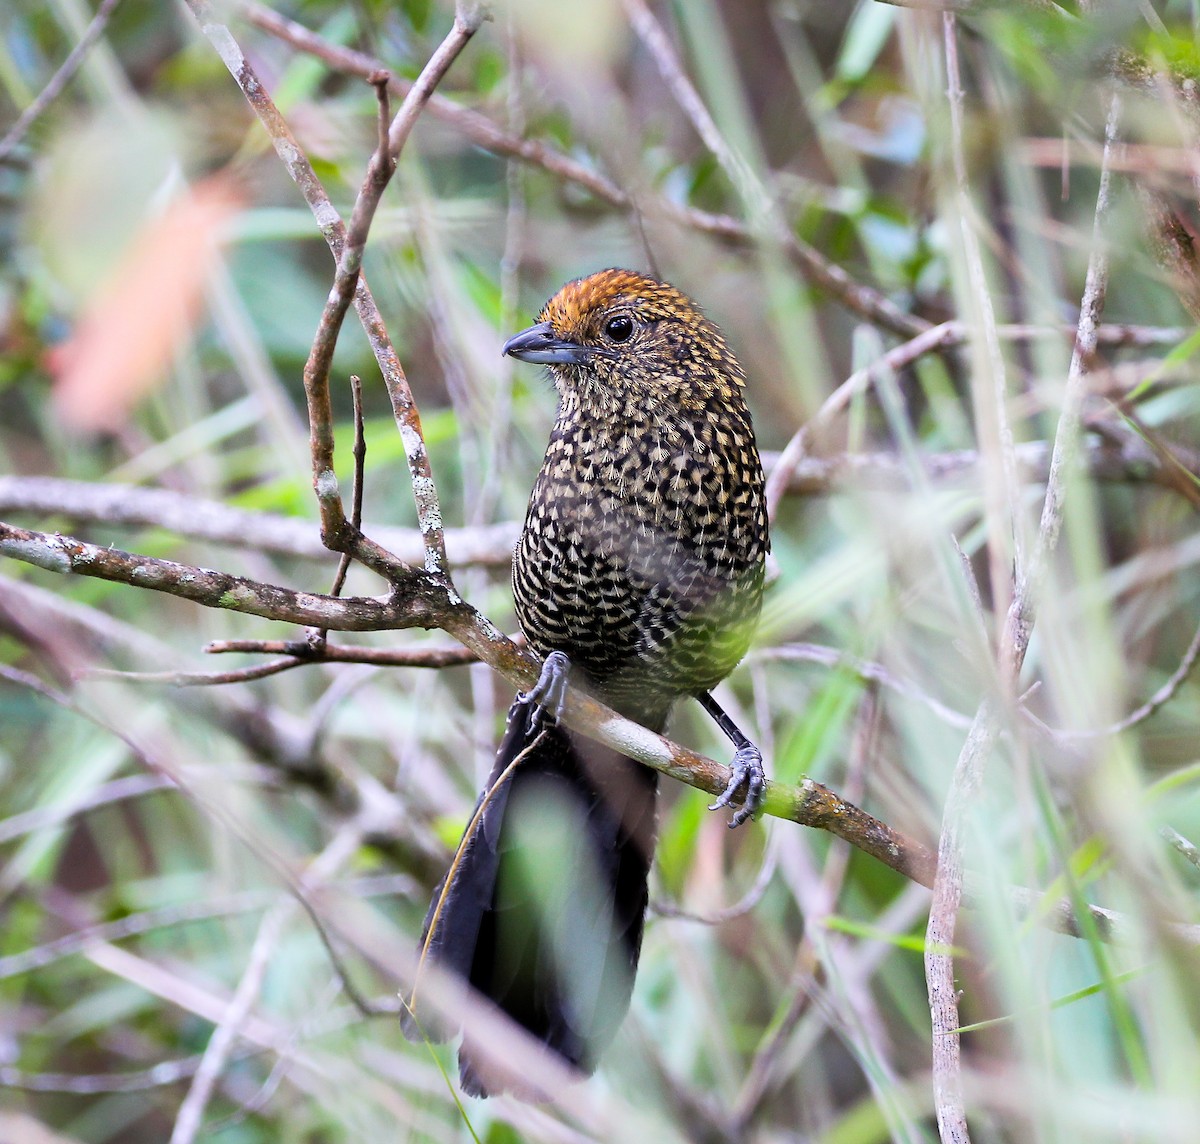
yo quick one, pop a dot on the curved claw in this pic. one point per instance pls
(548, 696)
(746, 770)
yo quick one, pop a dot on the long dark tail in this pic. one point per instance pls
(542, 911)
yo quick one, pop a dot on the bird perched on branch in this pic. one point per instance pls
(639, 576)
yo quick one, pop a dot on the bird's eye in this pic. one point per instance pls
(620, 328)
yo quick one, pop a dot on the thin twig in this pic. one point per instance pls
(356, 496)
(216, 1054)
(317, 637)
(159, 1075)
(359, 454)
(747, 902)
(47, 817)
(892, 361)
(133, 925)
(174, 915)
(1179, 472)
(342, 653)
(1143, 712)
(865, 669)
(59, 80)
(197, 678)
(1019, 621)
(943, 919)
(1004, 547)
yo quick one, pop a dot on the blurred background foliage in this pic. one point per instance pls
(788, 1003)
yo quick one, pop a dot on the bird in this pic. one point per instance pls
(638, 577)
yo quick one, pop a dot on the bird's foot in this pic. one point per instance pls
(746, 770)
(548, 697)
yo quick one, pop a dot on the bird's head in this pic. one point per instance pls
(618, 337)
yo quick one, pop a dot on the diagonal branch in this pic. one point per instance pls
(810, 804)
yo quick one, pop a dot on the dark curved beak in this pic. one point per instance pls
(539, 345)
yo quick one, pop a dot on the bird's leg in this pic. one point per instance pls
(746, 768)
(549, 695)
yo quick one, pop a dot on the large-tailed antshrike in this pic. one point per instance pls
(639, 574)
